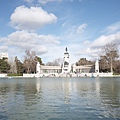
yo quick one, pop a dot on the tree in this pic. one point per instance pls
(4, 66)
(12, 64)
(111, 54)
(103, 63)
(56, 62)
(117, 67)
(39, 60)
(84, 61)
(30, 61)
(19, 66)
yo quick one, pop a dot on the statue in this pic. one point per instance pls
(66, 49)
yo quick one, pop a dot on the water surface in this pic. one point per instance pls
(59, 98)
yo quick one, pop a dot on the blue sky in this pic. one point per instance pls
(49, 26)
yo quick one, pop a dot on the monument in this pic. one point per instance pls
(68, 70)
(66, 67)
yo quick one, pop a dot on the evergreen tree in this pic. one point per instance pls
(4, 66)
(39, 60)
(19, 66)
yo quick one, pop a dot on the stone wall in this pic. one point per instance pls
(3, 75)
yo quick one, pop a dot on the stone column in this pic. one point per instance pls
(97, 66)
(38, 68)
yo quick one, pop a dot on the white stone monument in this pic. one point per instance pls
(97, 66)
(38, 68)
(66, 68)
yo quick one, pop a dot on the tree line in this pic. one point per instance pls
(108, 61)
(17, 67)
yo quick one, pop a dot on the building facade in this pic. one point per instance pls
(65, 68)
(3, 55)
(68, 70)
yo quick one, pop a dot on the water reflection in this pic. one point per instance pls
(60, 98)
(110, 94)
(110, 98)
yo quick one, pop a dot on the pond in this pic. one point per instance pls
(60, 98)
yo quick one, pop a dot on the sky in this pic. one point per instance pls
(49, 26)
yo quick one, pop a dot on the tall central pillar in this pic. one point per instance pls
(66, 68)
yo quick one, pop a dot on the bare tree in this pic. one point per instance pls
(56, 62)
(104, 66)
(12, 64)
(111, 54)
(117, 67)
(30, 61)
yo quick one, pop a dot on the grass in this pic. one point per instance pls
(11, 74)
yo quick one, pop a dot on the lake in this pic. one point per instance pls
(60, 98)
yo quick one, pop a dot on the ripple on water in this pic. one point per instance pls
(59, 99)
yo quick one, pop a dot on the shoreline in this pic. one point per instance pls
(10, 77)
(69, 75)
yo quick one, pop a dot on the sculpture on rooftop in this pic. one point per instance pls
(66, 49)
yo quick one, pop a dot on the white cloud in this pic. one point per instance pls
(105, 39)
(87, 48)
(81, 28)
(3, 48)
(93, 49)
(46, 1)
(87, 42)
(74, 33)
(112, 28)
(91, 52)
(31, 18)
(29, 1)
(22, 40)
(43, 2)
